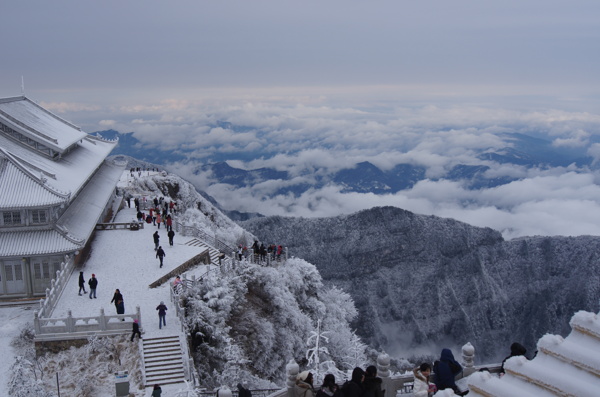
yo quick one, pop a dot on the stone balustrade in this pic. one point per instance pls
(57, 284)
(81, 327)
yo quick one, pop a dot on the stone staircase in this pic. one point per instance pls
(213, 252)
(163, 360)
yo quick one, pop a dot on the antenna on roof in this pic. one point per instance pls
(22, 86)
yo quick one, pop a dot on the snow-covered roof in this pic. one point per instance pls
(74, 226)
(16, 179)
(37, 123)
(82, 215)
(35, 242)
(66, 175)
(563, 366)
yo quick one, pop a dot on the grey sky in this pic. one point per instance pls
(327, 84)
(90, 51)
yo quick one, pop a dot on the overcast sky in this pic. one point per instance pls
(100, 51)
(329, 83)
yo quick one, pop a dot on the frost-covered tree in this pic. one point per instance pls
(263, 316)
(23, 381)
(316, 348)
(356, 356)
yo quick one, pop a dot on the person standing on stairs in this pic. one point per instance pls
(162, 313)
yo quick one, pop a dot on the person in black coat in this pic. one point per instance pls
(81, 284)
(118, 301)
(93, 283)
(446, 370)
(516, 349)
(160, 254)
(354, 387)
(171, 234)
(156, 238)
(372, 383)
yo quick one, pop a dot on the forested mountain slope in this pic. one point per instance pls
(423, 282)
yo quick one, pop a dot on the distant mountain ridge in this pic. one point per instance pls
(427, 281)
(365, 177)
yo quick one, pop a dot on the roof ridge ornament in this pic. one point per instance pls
(63, 231)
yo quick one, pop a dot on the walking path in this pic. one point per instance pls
(126, 260)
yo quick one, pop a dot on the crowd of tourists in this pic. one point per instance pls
(428, 379)
(260, 253)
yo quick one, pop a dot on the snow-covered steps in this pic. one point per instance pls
(213, 252)
(163, 361)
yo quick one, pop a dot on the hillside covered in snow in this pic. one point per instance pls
(423, 282)
(248, 321)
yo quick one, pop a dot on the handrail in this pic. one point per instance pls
(212, 241)
(57, 286)
(67, 326)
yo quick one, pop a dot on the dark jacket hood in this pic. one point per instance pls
(447, 355)
(357, 375)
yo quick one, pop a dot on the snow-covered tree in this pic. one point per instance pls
(356, 356)
(262, 317)
(24, 382)
(316, 342)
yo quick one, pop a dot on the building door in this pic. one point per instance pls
(13, 277)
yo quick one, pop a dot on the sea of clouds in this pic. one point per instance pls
(309, 135)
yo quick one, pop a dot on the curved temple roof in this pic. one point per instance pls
(39, 124)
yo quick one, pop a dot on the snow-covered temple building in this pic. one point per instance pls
(55, 186)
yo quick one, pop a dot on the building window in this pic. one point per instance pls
(38, 216)
(45, 270)
(11, 217)
(37, 271)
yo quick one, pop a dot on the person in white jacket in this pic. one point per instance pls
(421, 385)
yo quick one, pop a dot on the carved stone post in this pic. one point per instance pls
(36, 323)
(468, 358)
(70, 323)
(138, 316)
(224, 392)
(102, 320)
(292, 370)
(383, 371)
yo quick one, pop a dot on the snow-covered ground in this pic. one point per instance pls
(122, 259)
(126, 260)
